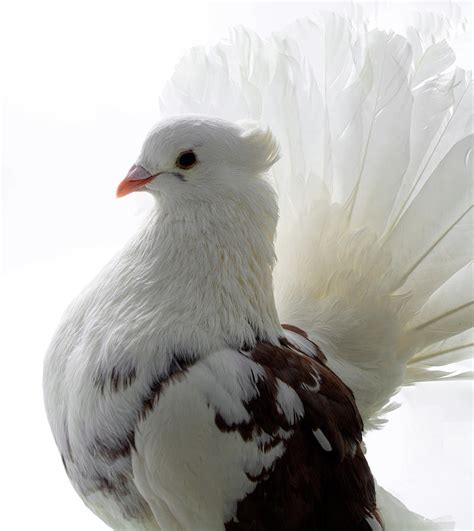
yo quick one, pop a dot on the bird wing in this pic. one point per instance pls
(374, 190)
(254, 439)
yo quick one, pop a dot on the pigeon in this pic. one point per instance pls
(305, 257)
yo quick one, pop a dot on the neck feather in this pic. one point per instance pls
(212, 273)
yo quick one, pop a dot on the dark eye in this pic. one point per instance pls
(186, 160)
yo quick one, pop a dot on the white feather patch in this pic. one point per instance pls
(289, 403)
(322, 440)
(374, 525)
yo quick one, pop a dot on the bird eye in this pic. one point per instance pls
(186, 160)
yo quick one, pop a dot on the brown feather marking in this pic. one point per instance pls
(107, 449)
(293, 328)
(110, 450)
(309, 487)
(285, 342)
(114, 380)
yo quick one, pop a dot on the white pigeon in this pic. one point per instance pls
(175, 396)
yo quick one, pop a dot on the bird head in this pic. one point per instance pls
(195, 157)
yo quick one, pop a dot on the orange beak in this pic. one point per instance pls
(136, 177)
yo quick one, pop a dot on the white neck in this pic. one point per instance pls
(209, 270)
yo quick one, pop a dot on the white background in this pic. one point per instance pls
(81, 86)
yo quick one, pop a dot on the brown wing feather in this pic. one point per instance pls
(309, 487)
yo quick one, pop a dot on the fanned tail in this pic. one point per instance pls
(374, 187)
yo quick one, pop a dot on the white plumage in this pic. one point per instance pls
(373, 261)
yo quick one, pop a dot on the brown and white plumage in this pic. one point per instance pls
(285, 454)
(176, 398)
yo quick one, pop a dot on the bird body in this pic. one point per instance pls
(175, 404)
(176, 397)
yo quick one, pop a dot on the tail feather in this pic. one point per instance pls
(440, 118)
(384, 117)
(397, 516)
(428, 242)
(449, 311)
(452, 350)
